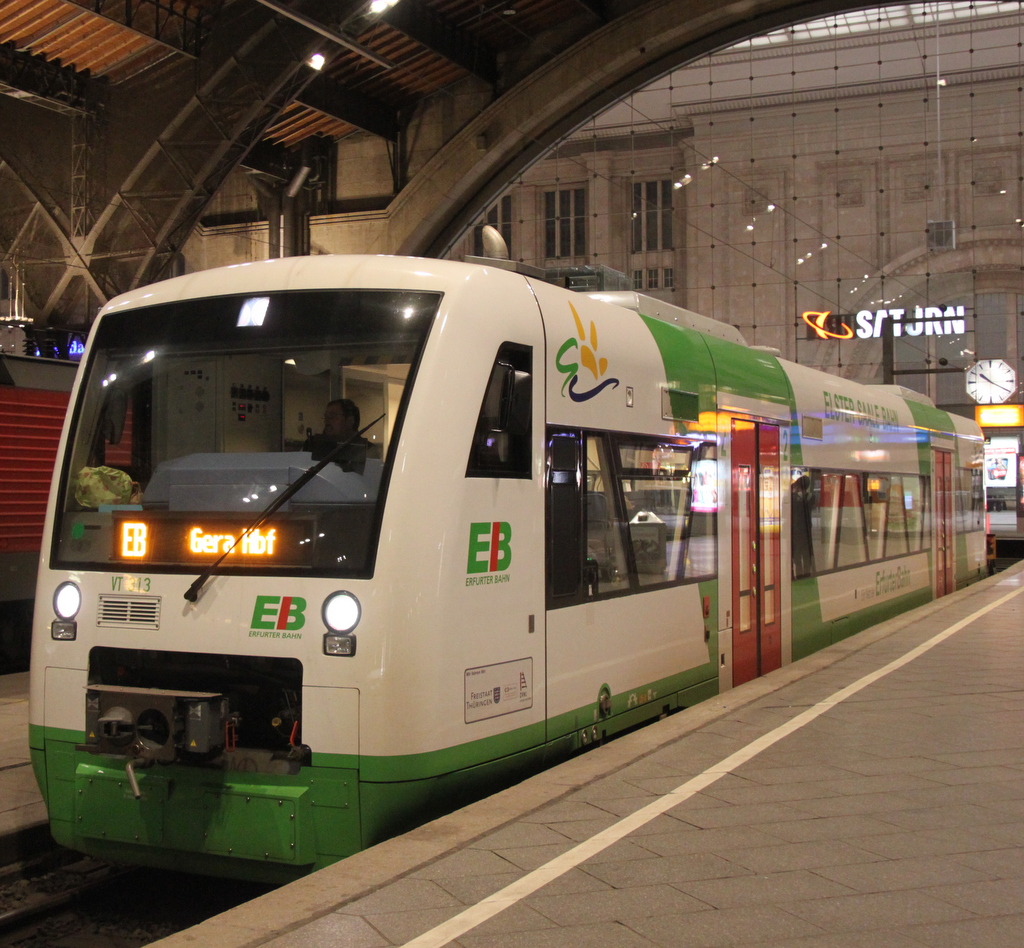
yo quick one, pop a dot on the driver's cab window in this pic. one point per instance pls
(217, 406)
(198, 413)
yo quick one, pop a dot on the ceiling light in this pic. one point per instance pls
(316, 61)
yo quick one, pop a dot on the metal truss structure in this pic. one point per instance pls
(45, 83)
(177, 25)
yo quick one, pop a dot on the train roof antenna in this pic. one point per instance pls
(493, 243)
(192, 593)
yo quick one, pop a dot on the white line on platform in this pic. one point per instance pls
(505, 898)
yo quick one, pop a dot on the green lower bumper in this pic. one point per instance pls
(248, 825)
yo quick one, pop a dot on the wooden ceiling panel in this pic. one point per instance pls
(98, 47)
(298, 122)
(69, 31)
(25, 21)
(72, 33)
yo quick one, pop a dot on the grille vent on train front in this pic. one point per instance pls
(129, 612)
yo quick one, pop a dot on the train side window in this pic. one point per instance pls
(827, 489)
(876, 508)
(896, 520)
(563, 526)
(977, 520)
(501, 441)
(960, 499)
(702, 544)
(915, 501)
(656, 487)
(606, 570)
(801, 504)
(851, 548)
(969, 500)
(835, 524)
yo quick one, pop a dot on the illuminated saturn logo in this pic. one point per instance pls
(817, 322)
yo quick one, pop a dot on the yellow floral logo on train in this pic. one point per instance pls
(586, 351)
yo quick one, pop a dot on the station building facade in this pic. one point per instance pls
(811, 217)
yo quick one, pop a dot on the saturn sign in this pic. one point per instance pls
(870, 324)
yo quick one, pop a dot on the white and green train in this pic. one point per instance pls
(568, 514)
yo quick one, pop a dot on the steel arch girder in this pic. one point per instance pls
(634, 48)
(160, 201)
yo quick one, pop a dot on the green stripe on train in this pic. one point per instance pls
(811, 632)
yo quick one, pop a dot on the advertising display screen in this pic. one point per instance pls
(1001, 463)
(705, 486)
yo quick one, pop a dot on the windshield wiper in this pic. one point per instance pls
(192, 593)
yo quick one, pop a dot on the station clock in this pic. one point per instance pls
(991, 381)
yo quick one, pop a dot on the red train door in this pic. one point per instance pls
(945, 549)
(756, 624)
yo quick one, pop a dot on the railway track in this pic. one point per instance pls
(74, 902)
(36, 900)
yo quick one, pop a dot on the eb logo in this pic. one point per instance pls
(279, 612)
(490, 547)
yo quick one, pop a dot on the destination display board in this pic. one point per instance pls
(145, 538)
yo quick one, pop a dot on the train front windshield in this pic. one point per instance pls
(194, 416)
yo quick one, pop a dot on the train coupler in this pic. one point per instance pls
(153, 725)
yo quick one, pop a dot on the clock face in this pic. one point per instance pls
(991, 381)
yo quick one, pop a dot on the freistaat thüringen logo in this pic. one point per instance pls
(587, 354)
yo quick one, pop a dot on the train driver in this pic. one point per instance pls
(341, 423)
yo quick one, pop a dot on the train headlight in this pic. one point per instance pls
(67, 600)
(340, 612)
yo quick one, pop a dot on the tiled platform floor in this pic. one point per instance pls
(895, 819)
(21, 807)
